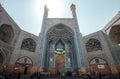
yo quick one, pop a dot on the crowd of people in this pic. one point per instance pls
(75, 75)
(65, 75)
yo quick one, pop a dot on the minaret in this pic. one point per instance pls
(78, 38)
(42, 37)
(45, 12)
(73, 8)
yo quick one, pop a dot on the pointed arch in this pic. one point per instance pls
(50, 44)
(28, 44)
(114, 35)
(93, 45)
(69, 43)
(60, 31)
(99, 65)
(6, 33)
(62, 37)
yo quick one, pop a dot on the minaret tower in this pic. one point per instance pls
(42, 36)
(73, 8)
(78, 37)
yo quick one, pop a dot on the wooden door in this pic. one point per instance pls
(59, 61)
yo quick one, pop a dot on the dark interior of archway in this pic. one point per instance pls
(59, 45)
(1, 59)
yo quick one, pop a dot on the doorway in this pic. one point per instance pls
(59, 61)
(99, 65)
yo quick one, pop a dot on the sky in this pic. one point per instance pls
(92, 15)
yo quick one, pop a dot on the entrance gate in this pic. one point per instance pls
(99, 65)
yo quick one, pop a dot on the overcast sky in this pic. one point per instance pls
(92, 15)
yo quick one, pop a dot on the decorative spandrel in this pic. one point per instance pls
(28, 44)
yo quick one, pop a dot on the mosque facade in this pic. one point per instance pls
(60, 44)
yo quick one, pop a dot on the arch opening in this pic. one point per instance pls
(60, 45)
(115, 35)
(99, 65)
(60, 38)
